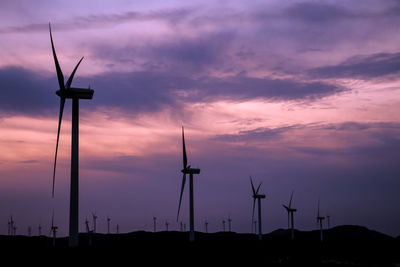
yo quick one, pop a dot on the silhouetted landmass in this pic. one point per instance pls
(343, 246)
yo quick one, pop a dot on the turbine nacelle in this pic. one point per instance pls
(259, 196)
(189, 170)
(80, 93)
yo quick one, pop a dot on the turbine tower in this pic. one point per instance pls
(154, 224)
(187, 170)
(319, 221)
(258, 197)
(229, 224)
(223, 225)
(66, 91)
(206, 225)
(290, 212)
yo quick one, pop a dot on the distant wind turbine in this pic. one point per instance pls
(40, 230)
(290, 212)
(166, 225)
(187, 170)
(258, 197)
(66, 91)
(108, 224)
(229, 224)
(53, 230)
(223, 225)
(154, 224)
(94, 216)
(206, 225)
(328, 220)
(319, 220)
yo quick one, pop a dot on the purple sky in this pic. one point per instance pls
(301, 95)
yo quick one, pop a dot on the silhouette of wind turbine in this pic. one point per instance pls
(154, 224)
(229, 224)
(223, 225)
(328, 220)
(206, 225)
(187, 170)
(66, 91)
(258, 197)
(53, 229)
(319, 220)
(290, 212)
(108, 224)
(94, 216)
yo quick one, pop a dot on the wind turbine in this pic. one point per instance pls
(53, 229)
(229, 224)
(154, 224)
(40, 230)
(223, 225)
(319, 220)
(206, 225)
(66, 91)
(108, 224)
(258, 197)
(290, 212)
(166, 225)
(328, 220)
(187, 170)
(117, 228)
(94, 216)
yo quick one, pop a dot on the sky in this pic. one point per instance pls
(300, 95)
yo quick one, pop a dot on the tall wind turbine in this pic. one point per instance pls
(290, 212)
(319, 220)
(187, 170)
(229, 224)
(223, 225)
(258, 197)
(206, 225)
(66, 91)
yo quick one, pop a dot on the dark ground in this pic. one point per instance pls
(344, 246)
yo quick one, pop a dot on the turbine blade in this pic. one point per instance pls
(180, 197)
(60, 75)
(290, 202)
(252, 186)
(62, 102)
(68, 84)
(258, 188)
(184, 150)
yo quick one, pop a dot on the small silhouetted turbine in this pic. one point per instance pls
(154, 224)
(94, 216)
(223, 225)
(187, 170)
(290, 212)
(229, 224)
(108, 224)
(319, 221)
(66, 91)
(258, 197)
(206, 225)
(53, 230)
